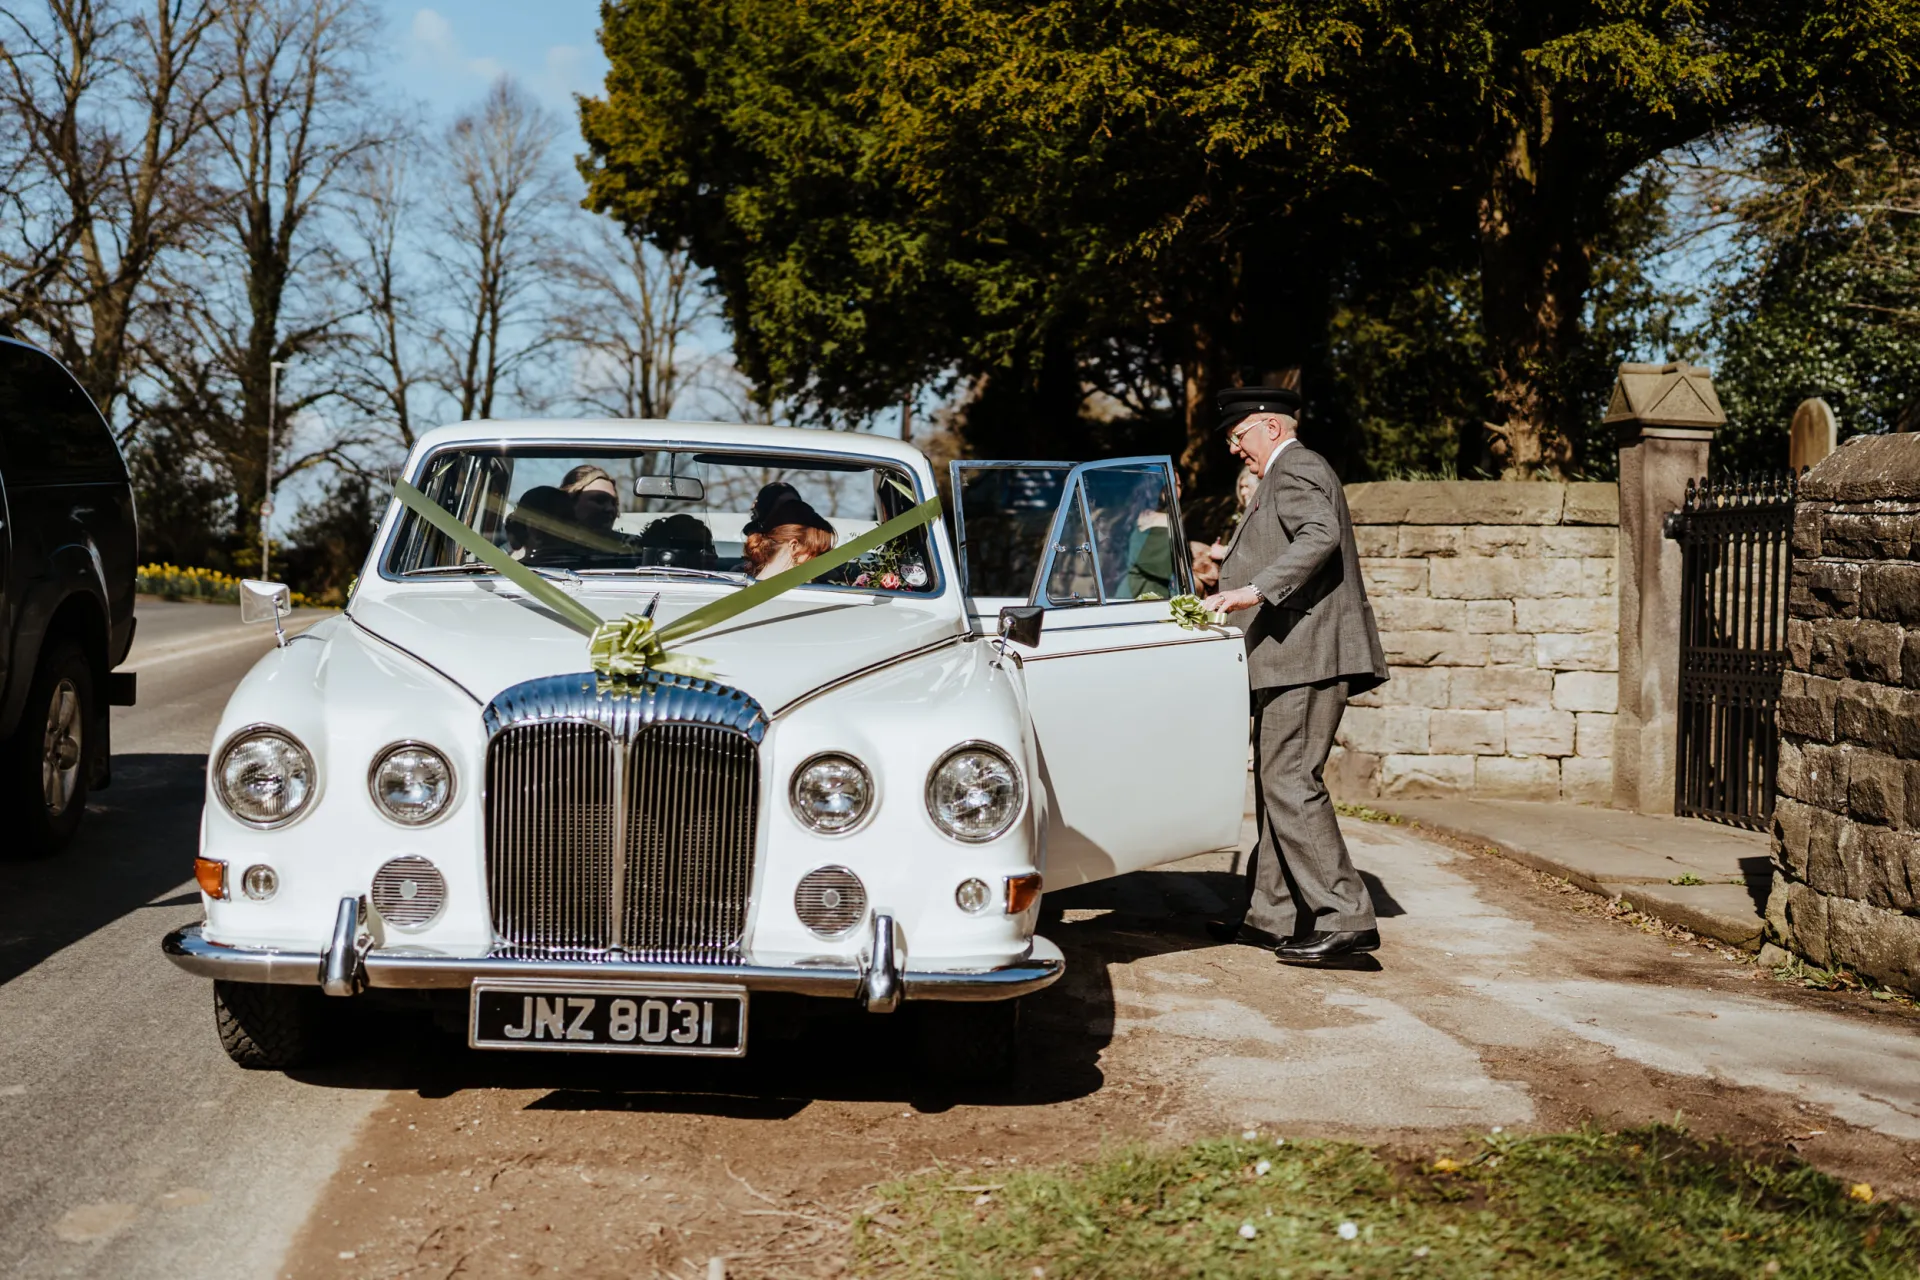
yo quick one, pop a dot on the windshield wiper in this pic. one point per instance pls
(674, 570)
(476, 566)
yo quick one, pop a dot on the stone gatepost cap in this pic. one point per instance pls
(1666, 395)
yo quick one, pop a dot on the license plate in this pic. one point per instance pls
(704, 1021)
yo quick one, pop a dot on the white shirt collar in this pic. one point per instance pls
(1275, 455)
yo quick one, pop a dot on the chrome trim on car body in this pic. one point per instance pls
(1131, 648)
(1019, 780)
(453, 783)
(871, 668)
(984, 978)
(652, 698)
(220, 766)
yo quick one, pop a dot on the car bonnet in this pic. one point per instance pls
(487, 637)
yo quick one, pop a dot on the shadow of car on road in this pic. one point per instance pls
(840, 1054)
(138, 841)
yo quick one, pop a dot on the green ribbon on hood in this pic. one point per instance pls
(620, 649)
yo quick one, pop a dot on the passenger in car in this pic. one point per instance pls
(770, 496)
(682, 540)
(790, 533)
(596, 498)
(538, 523)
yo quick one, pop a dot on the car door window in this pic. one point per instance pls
(1134, 527)
(1117, 536)
(1003, 512)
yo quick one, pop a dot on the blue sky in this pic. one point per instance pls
(445, 54)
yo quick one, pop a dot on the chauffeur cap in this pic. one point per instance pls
(1236, 403)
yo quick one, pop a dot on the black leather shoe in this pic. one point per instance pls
(1321, 946)
(1244, 934)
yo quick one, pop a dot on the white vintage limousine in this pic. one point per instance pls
(433, 799)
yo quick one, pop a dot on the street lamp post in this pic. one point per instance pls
(266, 502)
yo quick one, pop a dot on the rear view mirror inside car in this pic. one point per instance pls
(679, 488)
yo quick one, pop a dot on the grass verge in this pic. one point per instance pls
(1650, 1203)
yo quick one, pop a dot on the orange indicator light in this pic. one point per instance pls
(211, 875)
(1022, 892)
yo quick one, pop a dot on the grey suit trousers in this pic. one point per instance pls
(1300, 876)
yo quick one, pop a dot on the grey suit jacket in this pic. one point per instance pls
(1295, 546)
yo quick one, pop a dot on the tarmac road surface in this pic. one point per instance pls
(130, 1146)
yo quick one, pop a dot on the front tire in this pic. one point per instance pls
(971, 1043)
(45, 764)
(267, 1028)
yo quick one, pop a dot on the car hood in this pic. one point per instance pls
(487, 638)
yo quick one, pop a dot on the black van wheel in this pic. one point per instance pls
(267, 1028)
(45, 763)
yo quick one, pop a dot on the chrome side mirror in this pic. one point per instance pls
(1021, 623)
(265, 602)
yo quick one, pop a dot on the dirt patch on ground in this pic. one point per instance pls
(531, 1165)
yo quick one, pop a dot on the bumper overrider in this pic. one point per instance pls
(881, 977)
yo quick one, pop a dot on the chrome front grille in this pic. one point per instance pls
(665, 872)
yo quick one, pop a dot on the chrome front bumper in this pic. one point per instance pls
(879, 979)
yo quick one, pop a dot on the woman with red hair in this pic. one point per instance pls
(789, 533)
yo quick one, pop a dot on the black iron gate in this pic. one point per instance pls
(1735, 539)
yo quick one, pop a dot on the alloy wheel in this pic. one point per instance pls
(60, 752)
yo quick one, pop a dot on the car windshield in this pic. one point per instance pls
(667, 513)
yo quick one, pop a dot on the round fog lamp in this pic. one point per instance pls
(973, 896)
(260, 882)
(411, 783)
(973, 794)
(831, 793)
(264, 777)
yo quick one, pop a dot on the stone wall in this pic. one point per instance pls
(1847, 815)
(1498, 610)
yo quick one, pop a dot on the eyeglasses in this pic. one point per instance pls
(1235, 436)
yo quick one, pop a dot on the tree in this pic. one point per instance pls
(1013, 194)
(101, 169)
(498, 243)
(1821, 292)
(385, 369)
(633, 312)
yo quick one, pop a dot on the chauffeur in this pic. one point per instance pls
(1293, 574)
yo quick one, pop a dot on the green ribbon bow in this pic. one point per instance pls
(621, 649)
(1192, 615)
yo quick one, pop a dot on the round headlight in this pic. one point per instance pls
(411, 783)
(973, 794)
(831, 793)
(265, 777)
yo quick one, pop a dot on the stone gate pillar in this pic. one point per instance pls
(1665, 416)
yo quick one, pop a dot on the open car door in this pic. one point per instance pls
(1142, 725)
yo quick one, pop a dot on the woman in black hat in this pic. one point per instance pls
(787, 533)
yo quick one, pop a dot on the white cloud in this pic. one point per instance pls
(433, 47)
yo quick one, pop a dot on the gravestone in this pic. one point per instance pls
(1814, 434)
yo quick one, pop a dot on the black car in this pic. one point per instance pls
(68, 553)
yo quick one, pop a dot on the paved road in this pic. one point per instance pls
(132, 1146)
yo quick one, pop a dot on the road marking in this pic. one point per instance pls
(142, 661)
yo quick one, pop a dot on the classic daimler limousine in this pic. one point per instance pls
(844, 798)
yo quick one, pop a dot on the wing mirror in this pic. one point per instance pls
(265, 602)
(678, 488)
(1021, 623)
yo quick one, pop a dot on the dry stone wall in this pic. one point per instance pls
(1846, 821)
(1498, 609)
